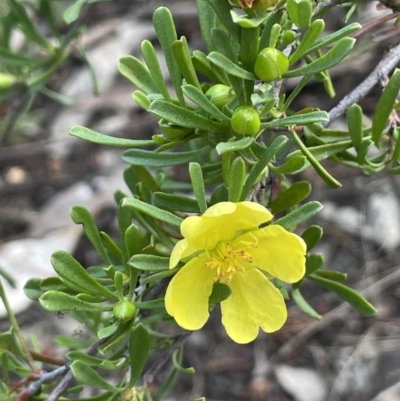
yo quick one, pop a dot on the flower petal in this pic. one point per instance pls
(255, 302)
(278, 252)
(188, 292)
(221, 222)
(182, 250)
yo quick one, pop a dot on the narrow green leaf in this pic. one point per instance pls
(175, 203)
(354, 122)
(303, 213)
(153, 65)
(196, 177)
(80, 215)
(166, 33)
(136, 72)
(153, 304)
(234, 146)
(184, 118)
(291, 165)
(145, 177)
(110, 245)
(205, 67)
(311, 236)
(222, 10)
(237, 176)
(356, 300)
(331, 275)
(138, 157)
(8, 57)
(199, 98)
(334, 56)
(298, 119)
(151, 210)
(56, 301)
(314, 262)
(207, 20)
(220, 194)
(230, 67)
(139, 346)
(71, 14)
(149, 262)
(304, 305)
(87, 375)
(291, 197)
(258, 168)
(311, 35)
(69, 268)
(385, 106)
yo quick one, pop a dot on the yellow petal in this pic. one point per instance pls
(254, 303)
(182, 250)
(188, 292)
(221, 222)
(278, 252)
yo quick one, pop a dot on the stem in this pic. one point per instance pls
(17, 330)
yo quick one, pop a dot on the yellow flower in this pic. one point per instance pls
(226, 245)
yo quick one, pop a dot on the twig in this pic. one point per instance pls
(150, 373)
(387, 64)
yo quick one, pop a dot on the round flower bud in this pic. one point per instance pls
(124, 310)
(245, 121)
(220, 95)
(271, 64)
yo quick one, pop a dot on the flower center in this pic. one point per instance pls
(227, 258)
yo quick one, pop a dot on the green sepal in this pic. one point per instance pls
(85, 374)
(385, 107)
(304, 305)
(196, 177)
(136, 72)
(356, 300)
(56, 301)
(291, 197)
(314, 262)
(311, 236)
(139, 346)
(67, 267)
(95, 137)
(149, 262)
(303, 213)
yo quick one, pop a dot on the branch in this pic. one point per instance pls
(391, 59)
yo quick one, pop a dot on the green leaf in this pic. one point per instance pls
(166, 33)
(95, 137)
(151, 210)
(304, 305)
(298, 119)
(311, 236)
(220, 292)
(205, 67)
(334, 56)
(83, 373)
(149, 262)
(71, 14)
(32, 289)
(236, 178)
(69, 268)
(8, 57)
(153, 304)
(198, 97)
(80, 215)
(175, 203)
(139, 157)
(181, 53)
(234, 146)
(354, 119)
(56, 301)
(196, 177)
(182, 117)
(230, 67)
(220, 194)
(314, 262)
(258, 168)
(207, 20)
(312, 34)
(291, 165)
(356, 300)
(146, 178)
(291, 197)
(136, 72)
(139, 346)
(331, 275)
(385, 107)
(303, 213)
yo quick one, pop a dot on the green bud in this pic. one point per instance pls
(245, 121)
(124, 310)
(288, 37)
(220, 95)
(174, 131)
(271, 64)
(300, 12)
